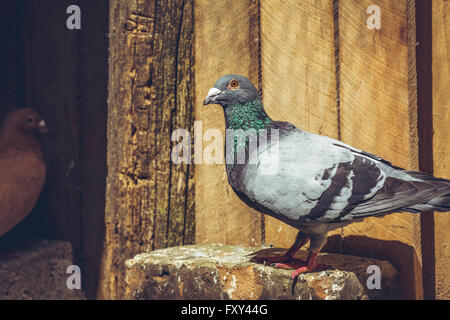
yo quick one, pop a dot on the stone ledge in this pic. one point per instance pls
(38, 272)
(222, 272)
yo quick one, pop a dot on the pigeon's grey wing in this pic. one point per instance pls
(396, 190)
(314, 180)
(319, 179)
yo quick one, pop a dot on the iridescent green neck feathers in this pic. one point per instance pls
(249, 115)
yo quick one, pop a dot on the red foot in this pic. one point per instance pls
(311, 268)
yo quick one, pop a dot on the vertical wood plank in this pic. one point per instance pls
(379, 115)
(299, 75)
(425, 132)
(149, 85)
(441, 137)
(226, 42)
(180, 229)
(171, 71)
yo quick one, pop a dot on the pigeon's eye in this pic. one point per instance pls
(30, 120)
(234, 84)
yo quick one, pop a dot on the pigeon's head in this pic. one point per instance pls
(232, 89)
(24, 120)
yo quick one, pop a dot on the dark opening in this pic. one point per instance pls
(424, 56)
(62, 74)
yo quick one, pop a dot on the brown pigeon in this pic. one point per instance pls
(22, 166)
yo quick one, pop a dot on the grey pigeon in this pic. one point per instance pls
(320, 184)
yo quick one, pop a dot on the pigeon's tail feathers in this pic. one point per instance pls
(424, 193)
(441, 204)
(433, 194)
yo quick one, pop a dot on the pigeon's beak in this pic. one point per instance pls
(212, 95)
(42, 127)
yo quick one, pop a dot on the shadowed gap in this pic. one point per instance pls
(425, 132)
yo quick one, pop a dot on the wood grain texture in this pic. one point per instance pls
(149, 201)
(226, 42)
(181, 225)
(299, 76)
(379, 115)
(441, 137)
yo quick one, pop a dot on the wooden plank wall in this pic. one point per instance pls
(379, 116)
(298, 76)
(325, 71)
(226, 42)
(441, 137)
(149, 200)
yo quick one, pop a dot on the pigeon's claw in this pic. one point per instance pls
(311, 268)
(289, 265)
